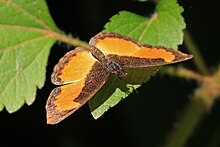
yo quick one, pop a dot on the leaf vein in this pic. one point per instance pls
(26, 28)
(152, 19)
(137, 27)
(15, 46)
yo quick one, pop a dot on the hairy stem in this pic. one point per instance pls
(182, 72)
(67, 39)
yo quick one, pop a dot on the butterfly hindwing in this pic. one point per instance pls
(66, 99)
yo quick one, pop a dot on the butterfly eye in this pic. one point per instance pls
(113, 66)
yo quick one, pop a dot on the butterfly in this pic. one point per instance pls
(82, 72)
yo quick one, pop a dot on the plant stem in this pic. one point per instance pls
(204, 97)
(191, 116)
(193, 49)
(67, 39)
(182, 72)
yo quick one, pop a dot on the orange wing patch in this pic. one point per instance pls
(154, 53)
(117, 46)
(65, 100)
(113, 43)
(74, 66)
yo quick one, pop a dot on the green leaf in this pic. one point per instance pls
(26, 36)
(116, 89)
(163, 28)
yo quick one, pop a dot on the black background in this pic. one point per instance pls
(143, 119)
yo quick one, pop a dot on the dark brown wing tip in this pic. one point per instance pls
(50, 107)
(53, 121)
(182, 56)
(190, 56)
(53, 115)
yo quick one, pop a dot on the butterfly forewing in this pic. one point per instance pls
(130, 53)
(73, 66)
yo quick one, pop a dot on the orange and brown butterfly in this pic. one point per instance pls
(82, 72)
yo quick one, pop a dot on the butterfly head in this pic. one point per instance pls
(115, 68)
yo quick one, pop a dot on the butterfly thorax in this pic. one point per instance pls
(112, 66)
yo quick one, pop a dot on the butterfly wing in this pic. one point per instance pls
(80, 85)
(143, 59)
(130, 53)
(72, 67)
